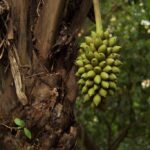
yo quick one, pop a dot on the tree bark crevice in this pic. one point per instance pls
(46, 27)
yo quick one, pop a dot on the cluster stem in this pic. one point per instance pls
(98, 20)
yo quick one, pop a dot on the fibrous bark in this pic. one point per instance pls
(37, 53)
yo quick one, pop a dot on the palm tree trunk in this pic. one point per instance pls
(37, 45)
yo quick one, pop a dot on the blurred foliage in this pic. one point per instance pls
(123, 122)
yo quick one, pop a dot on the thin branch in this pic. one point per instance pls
(109, 136)
(122, 135)
(11, 128)
(88, 142)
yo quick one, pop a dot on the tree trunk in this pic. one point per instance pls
(37, 53)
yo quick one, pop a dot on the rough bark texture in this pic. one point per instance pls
(37, 49)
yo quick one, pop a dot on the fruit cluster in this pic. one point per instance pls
(98, 65)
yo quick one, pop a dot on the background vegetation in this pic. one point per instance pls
(123, 122)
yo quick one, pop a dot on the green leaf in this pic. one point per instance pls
(19, 122)
(27, 133)
(148, 3)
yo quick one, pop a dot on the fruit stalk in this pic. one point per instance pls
(98, 19)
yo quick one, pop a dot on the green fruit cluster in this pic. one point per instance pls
(98, 65)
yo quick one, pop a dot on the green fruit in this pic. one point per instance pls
(97, 42)
(97, 79)
(86, 98)
(109, 50)
(77, 74)
(109, 61)
(83, 45)
(81, 70)
(102, 64)
(106, 34)
(89, 55)
(79, 57)
(96, 87)
(115, 69)
(105, 42)
(81, 51)
(87, 49)
(79, 63)
(97, 99)
(93, 34)
(117, 63)
(91, 92)
(112, 41)
(89, 83)
(82, 56)
(88, 40)
(103, 92)
(94, 62)
(88, 67)
(84, 90)
(81, 82)
(105, 84)
(114, 55)
(92, 47)
(84, 75)
(112, 76)
(116, 49)
(111, 92)
(100, 34)
(107, 68)
(112, 85)
(101, 56)
(97, 55)
(97, 69)
(104, 75)
(86, 61)
(102, 49)
(91, 74)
